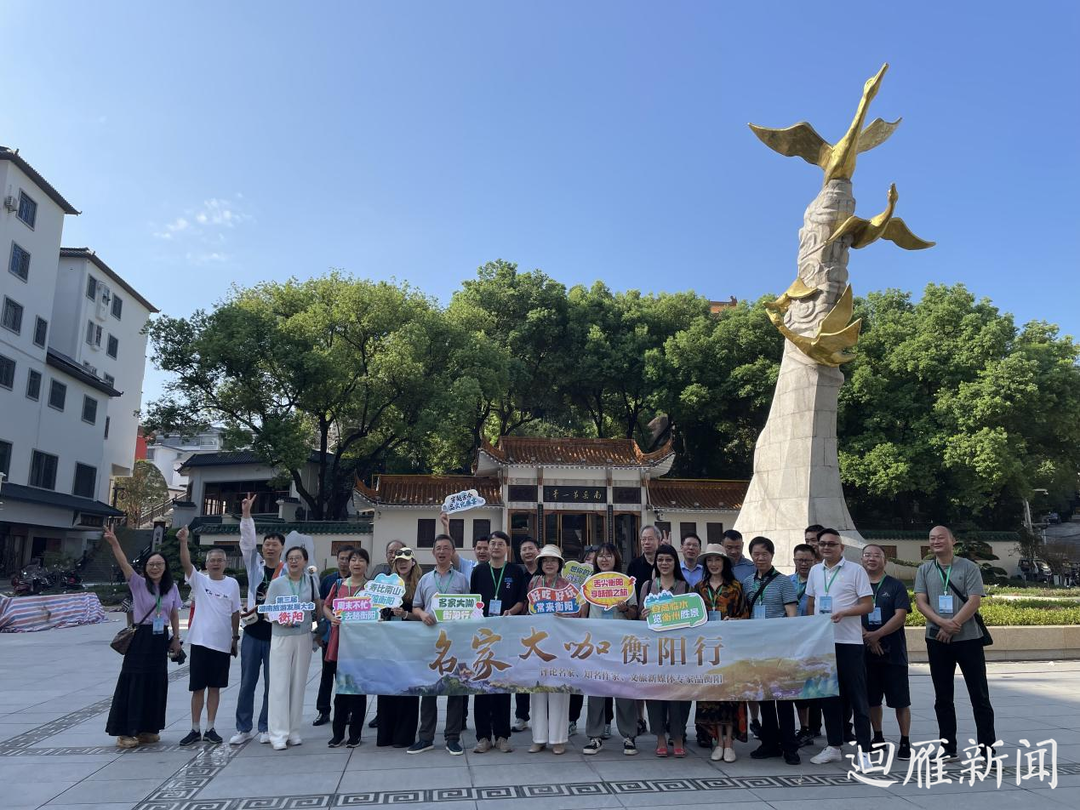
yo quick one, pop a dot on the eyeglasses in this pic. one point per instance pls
(155, 565)
(827, 545)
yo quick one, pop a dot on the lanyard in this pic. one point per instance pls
(296, 590)
(713, 595)
(875, 589)
(763, 584)
(800, 590)
(449, 578)
(829, 580)
(349, 592)
(498, 585)
(157, 607)
(945, 574)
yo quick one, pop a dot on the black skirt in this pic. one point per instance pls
(142, 690)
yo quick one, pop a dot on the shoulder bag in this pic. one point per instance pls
(986, 639)
(122, 640)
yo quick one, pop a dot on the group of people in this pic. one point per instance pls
(868, 609)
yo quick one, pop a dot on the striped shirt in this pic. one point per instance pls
(779, 592)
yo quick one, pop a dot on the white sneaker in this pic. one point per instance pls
(828, 754)
(280, 746)
(865, 765)
(240, 737)
(717, 753)
(295, 739)
(264, 737)
(729, 755)
(519, 724)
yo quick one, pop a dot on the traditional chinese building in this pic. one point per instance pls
(569, 492)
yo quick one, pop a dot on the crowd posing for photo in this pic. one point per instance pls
(866, 606)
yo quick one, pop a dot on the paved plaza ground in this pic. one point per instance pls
(55, 688)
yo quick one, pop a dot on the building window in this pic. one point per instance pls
(664, 526)
(33, 385)
(91, 288)
(425, 533)
(85, 478)
(521, 493)
(93, 334)
(117, 306)
(687, 528)
(481, 527)
(57, 395)
(20, 262)
(457, 531)
(107, 418)
(7, 372)
(27, 209)
(5, 458)
(714, 532)
(89, 410)
(890, 551)
(41, 332)
(114, 346)
(12, 316)
(110, 379)
(43, 470)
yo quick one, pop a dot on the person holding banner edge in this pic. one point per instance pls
(349, 710)
(442, 580)
(550, 710)
(667, 718)
(502, 585)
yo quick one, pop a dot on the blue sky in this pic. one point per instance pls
(213, 143)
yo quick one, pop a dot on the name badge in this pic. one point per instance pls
(945, 604)
(495, 607)
(824, 604)
(875, 616)
(715, 616)
(159, 625)
(759, 611)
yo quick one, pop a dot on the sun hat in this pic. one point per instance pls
(712, 550)
(550, 551)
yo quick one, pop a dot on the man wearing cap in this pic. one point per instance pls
(443, 580)
(841, 590)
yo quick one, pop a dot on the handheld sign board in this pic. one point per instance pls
(667, 612)
(286, 610)
(462, 501)
(608, 589)
(385, 591)
(551, 600)
(452, 607)
(576, 573)
(354, 609)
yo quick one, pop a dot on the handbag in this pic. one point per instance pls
(987, 639)
(122, 640)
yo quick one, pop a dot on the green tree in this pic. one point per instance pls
(354, 370)
(139, 492)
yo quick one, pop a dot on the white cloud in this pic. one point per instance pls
(206, 257)
(207, 222)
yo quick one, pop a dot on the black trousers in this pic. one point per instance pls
(944, 659)
(778, 725)
(813, 714)
(521, 705)
(853, 700)
(349, 711)
(577, 701)
(326, 684)
(492, 718)
(398, 716)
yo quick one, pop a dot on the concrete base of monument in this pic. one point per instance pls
(1046, 643)
(796, 479)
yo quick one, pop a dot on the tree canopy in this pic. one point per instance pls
(949, 413)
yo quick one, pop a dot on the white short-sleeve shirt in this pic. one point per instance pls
(850, 584)
(215, 603)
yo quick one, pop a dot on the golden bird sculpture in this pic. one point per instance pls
(838, 161)
(796, 292)
(834, 334)
(883, 226)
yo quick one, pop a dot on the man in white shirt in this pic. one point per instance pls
(213, 635)
(841, 589)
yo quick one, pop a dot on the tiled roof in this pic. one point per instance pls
(226, 457)
(696, 494)
(426, 490)
(312, 527)
(573, 452)
(70, 367)
(14, 156)
(47, 497)
(87, 253)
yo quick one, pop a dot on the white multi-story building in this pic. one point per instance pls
(168, 452)
(66, 421)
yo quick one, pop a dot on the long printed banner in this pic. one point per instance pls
(778, 659)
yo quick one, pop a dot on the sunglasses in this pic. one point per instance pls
(404, 554)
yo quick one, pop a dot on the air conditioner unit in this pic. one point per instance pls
(11, 203)
(91, 368)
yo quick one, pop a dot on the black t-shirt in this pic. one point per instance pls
(514, 587)
(890, 595)
(641, 570)
(262, 628)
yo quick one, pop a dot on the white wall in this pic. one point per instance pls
(400, 524)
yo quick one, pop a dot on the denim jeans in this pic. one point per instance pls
(254, 657)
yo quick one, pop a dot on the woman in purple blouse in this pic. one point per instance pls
(137, 714)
